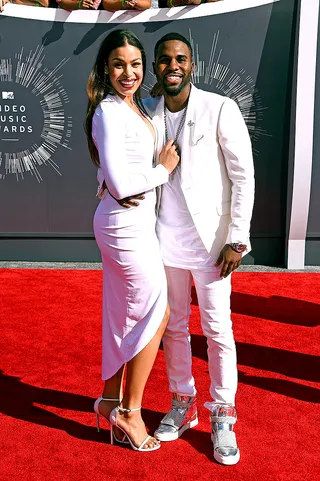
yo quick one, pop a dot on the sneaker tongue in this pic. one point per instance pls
(181, 398)
(225, 411)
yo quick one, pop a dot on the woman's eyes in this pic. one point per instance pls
(120, 65)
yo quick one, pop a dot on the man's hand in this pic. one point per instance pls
(229, 259)
(128, 202)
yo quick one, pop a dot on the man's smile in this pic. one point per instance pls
(172, 78)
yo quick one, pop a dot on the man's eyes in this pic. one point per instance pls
(168, 60)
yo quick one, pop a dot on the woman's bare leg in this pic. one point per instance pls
(138, 370)
(113, 386)
(112, 390)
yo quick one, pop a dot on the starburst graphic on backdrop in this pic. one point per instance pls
(213, 75)
(44, 84)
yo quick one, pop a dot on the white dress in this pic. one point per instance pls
(134, 282)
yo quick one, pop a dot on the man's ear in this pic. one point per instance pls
(192, 66)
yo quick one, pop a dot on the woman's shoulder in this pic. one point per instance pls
(109, 102)
(107, 105)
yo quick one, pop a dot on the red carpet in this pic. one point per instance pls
(50, 356)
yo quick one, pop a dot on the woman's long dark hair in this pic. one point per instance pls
(98, 86)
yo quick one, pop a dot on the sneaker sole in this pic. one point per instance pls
(174, 436)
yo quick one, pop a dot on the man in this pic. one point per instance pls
(203, 228)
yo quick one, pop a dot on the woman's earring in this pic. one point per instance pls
(106, 78)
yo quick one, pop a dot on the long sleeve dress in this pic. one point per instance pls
(134, 282)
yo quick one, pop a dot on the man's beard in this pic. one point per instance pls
(173, 92)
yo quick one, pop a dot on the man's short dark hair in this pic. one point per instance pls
(171, 36)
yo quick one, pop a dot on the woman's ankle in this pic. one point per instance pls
(111, 394)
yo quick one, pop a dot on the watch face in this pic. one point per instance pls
(237, 247)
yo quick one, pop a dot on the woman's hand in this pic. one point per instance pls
(169, 157)
(87, 5)
(130, 4)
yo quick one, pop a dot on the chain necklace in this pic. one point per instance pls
(181, 124)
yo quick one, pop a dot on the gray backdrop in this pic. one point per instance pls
(313, 231)
(47, 207)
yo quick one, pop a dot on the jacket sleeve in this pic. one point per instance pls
(109, 135)
(235, 144)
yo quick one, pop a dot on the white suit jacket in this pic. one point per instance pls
(217, 175)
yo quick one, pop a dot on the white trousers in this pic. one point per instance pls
(214, 303)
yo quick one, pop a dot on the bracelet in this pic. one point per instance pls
(79, 4)
(171, 3)
(123, 5)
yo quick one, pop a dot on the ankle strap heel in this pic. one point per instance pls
(126, 410)
(114, 423)
(96, 408)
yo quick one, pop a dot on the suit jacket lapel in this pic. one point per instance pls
(188, 138)
(158, 120)
(190, 135)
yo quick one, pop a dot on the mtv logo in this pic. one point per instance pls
(7, 95)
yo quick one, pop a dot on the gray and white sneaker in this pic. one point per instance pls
(182, 416)
(225, 449)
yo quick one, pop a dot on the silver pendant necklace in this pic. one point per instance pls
(181, 124)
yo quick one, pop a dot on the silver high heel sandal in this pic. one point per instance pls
(98, 414)
(113, 423)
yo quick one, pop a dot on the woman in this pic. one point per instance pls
(135, 313)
